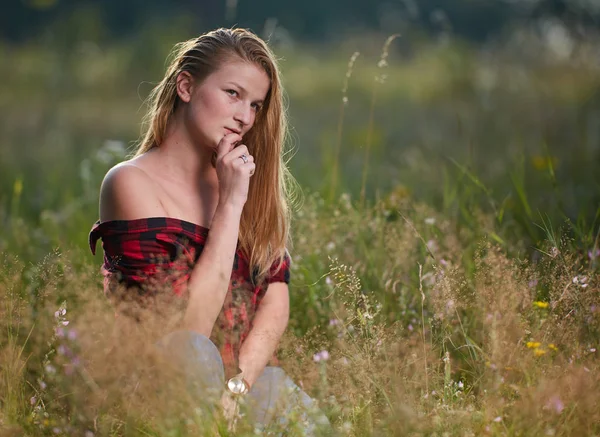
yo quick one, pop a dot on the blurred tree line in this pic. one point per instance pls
(474, 20)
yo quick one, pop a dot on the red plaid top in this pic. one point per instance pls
(143, 253)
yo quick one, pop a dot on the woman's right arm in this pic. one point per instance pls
(209, 281)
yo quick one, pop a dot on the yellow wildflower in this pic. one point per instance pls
(552, 346)
(538, 352)
(541, 163)
(18, 187)
(533, 344)
(540, 304)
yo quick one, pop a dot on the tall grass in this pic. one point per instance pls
(457, 297)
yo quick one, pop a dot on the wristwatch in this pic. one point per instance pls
(237, 384)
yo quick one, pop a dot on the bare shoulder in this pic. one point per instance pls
(128, 193)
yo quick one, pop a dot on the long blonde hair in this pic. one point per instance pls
(265, 222)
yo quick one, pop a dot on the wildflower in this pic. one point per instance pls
(582, 281)
(554, 252)
(33, 400)
(72, 335)
(555, 404)
(334, 322)
(552, 346)
(330, 246)
(18, 187)
(539, 352)
(540, 304)
(430, 221)
(432, 246)
(410, 327)
(498, 419)
(328, 280)
(321, 356)
(533, 283)
(592, 255)
(50, 369)
(69, 369)
(592, 349)
(460, 385)
(541, 163)
(533, 344)
(60, 332)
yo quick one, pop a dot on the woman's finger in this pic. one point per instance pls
(227, 144)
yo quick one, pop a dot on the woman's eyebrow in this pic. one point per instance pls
(243, 90)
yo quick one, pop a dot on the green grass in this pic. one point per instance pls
(456, 296)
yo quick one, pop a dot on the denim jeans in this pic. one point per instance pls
(273, 399)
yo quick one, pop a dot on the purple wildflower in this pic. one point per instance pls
(555, 404)
(321, 356)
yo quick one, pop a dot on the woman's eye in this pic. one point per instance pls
(256, 107)
(231, 92)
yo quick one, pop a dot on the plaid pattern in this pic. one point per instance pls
(159, 251)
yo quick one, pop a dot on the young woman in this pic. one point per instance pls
(202, 210)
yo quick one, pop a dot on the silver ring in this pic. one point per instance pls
(244, 158)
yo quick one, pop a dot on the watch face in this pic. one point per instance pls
(237, 385)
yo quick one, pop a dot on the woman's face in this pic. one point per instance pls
(228, 100)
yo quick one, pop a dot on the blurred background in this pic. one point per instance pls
(478, 105)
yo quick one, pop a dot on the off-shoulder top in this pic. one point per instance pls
(144, 253)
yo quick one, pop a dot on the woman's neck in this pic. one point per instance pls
(184, 162)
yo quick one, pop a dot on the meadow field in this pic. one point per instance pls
(445, 238)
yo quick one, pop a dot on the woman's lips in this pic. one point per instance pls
(229, 130)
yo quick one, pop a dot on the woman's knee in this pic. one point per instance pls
(195, 355)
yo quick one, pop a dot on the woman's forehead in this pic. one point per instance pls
(250, 76)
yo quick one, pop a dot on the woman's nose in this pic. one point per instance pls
(243, 115)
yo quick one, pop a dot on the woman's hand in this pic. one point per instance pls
(233, 172)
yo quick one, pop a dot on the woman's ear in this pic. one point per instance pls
(185, 83)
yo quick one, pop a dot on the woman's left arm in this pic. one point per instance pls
(270, 322)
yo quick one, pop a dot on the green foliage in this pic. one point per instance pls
(458, 297)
